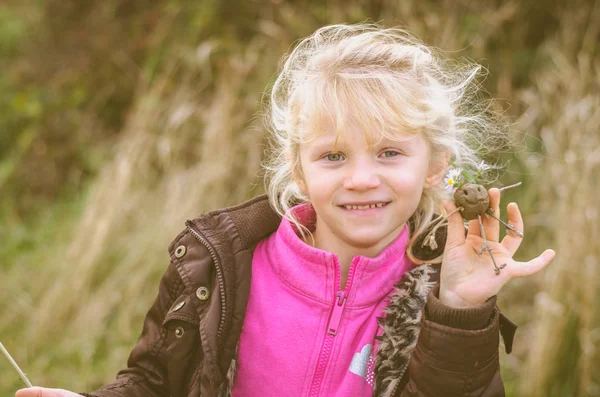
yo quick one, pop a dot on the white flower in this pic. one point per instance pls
(455, 173)
(449, 182)
(482, 166)
(453, 177)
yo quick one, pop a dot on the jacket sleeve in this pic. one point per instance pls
(146, 375)
(456, 353)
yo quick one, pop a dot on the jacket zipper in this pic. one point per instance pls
(215, 259)
(332, 328)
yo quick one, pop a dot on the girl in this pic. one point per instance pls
(323, 287)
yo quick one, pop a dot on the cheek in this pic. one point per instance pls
(318, 185)
(316, 182)
(409, 182)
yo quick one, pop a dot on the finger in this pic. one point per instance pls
(456, 228)
(43, 392)
(523, 269)
(29, 392)
(491, 225)
(511, 241)
(474, 228)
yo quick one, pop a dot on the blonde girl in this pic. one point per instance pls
(323, 287)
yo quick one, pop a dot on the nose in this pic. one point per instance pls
(362, 176)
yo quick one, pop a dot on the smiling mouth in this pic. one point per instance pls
(364, 207)
(476, 201)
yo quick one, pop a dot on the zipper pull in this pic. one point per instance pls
(336, 315)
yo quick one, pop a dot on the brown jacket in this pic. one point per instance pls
(190, 335)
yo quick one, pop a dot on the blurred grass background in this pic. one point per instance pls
(119, 119)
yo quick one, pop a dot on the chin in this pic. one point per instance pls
(365, 241)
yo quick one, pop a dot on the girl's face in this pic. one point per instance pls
(340, 184)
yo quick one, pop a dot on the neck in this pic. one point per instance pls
(345, 251)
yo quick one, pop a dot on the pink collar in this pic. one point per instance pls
(311, 271)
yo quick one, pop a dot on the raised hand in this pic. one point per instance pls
(467, 277)
(44, 392)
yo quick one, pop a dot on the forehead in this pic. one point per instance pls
(342, 112)
(325, 132)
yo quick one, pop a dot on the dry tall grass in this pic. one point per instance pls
(141, 198)
(564, 107)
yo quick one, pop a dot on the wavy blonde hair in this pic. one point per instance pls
(384, 81)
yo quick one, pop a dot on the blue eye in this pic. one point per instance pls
(334, 157)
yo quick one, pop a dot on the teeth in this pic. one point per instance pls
(363, 207)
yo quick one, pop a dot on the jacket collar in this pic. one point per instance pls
(315, 272)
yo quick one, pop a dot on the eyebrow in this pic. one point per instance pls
(407, 141)
(323, 142)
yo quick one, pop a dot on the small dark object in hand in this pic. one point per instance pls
(473, 202)
(473, 199)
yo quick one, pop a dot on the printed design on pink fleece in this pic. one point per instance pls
(363, 364)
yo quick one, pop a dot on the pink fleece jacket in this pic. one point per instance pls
(304, 336)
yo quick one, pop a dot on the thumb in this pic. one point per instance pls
(456, 226)
(44, 392)
(30, 392)
(522, 269)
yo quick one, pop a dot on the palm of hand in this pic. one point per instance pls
(467, 276)
(471, 274)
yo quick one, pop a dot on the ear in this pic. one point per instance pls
(301, 183)
(437, 169)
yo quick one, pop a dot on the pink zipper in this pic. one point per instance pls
(336, 315)
(332, 328)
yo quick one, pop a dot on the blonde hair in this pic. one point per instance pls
(383, 81)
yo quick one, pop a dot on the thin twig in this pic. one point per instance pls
(430, 237)
(509, 186)
(490, 212)
(15, 366)
(486, 247)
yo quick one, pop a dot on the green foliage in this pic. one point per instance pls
(12, 31)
